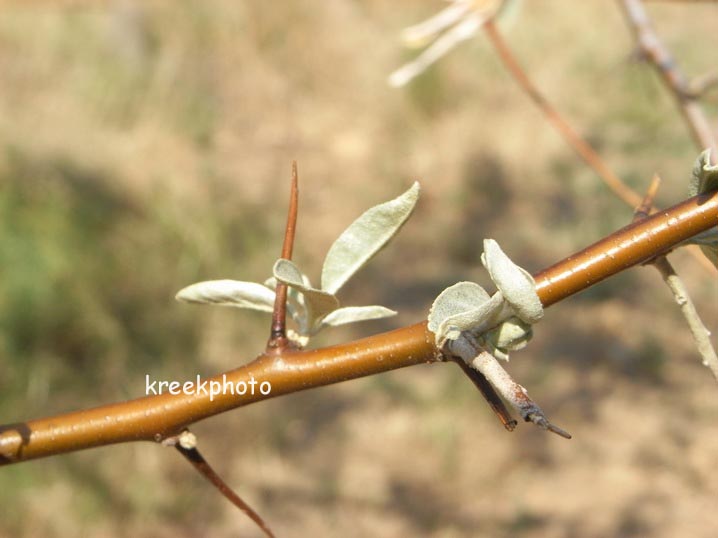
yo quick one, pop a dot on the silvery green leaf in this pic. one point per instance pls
(515, 284)
(318, 303)
(705, 175)
(229, 293)
(465, 306)
(461, 297)
(365, 237)
(711, 251)
(350, 314)
(477, 320)
(704, 179)
(512, 335)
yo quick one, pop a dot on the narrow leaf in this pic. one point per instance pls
(229, 293)
(516, 285)
(365, 237)
(456, 299)
(465, 306)
(318, 303)
(350, 314)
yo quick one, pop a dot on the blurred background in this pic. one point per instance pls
(146, 145)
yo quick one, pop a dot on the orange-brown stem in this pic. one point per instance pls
(159, 416)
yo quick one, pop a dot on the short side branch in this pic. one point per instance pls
(700, 333)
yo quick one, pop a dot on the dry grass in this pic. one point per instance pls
(180, 121)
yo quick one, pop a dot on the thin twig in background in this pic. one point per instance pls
(702, 84)
(660, 57)
(683, 1)
(584, 150)
(701, 335)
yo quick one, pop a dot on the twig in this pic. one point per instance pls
(683, 1)
(489, 394)
(702, 84)
(701, 335)
(469, 351)
(584, 150)
(514, 393)
(160, 416)
(654, 51)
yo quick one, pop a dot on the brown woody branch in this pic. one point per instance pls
(157, 417)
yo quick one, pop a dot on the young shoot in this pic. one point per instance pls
(314, 309)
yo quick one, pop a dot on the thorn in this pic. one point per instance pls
(192, 455)
(278, 340)
(645, 208)
(542, 422)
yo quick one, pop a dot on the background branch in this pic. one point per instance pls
(572, 138)
(673, 79)
(700, 333)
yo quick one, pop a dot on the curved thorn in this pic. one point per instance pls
(192, 455)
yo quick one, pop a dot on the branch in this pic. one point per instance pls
(655, 52)
(700, 333)
(157, 417)
(702, 84)
(683, 1)
(580, 146)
